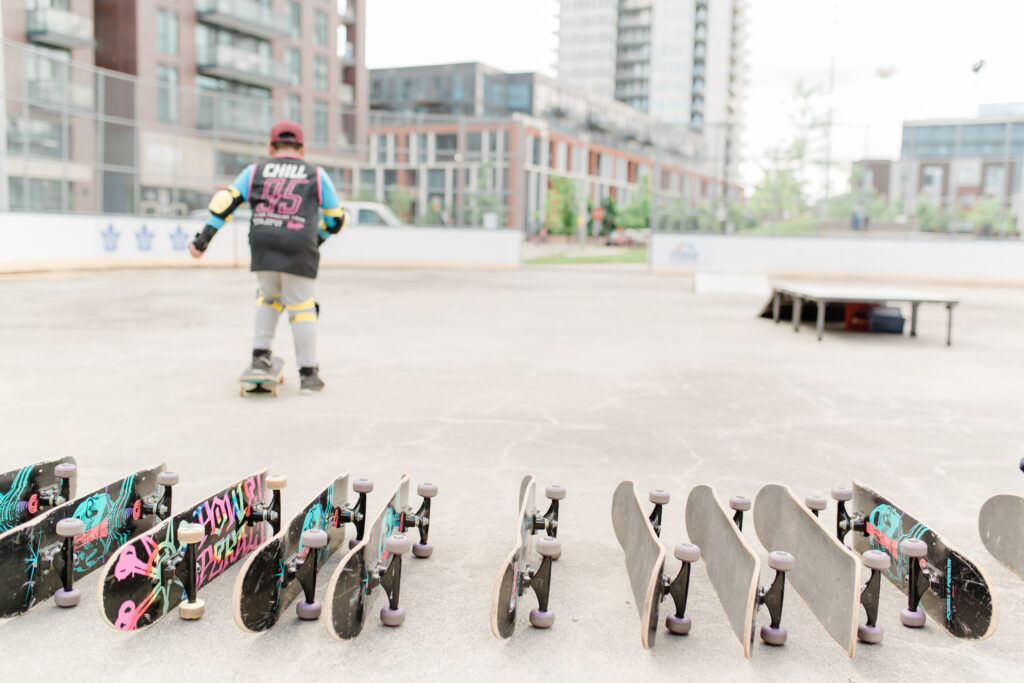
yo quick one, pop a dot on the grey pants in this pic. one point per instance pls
(285, 292)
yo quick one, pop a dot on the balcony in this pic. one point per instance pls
(59, 28)
(347, 14)
(221, 112)
(244, 16)
(235, 64)
(348, 57)
(346, 95)
(75, 95)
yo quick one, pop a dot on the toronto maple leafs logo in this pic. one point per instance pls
(110, 237)
(179, 239)
(144, 238)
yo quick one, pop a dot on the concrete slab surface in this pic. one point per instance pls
(471, 379)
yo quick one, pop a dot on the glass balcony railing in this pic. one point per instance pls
(346, 13)
(348, 57)
(233, 114)
(76, 95)
(59, 28)
(244, 16)
(235, 64)
(346, 95)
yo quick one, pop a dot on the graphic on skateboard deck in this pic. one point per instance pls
(829, 575)
(251, 383)
(166, 566)
(639, 536)
(35, 558)
(32, 490)
(1001, 525)
(733, 567)
(516, 574)
(376, 561)
(286, 566)
(952, 590)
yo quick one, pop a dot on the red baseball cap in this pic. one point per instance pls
(287, 131)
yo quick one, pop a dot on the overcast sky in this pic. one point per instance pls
(928, 45)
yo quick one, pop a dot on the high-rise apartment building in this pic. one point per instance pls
(682, 61)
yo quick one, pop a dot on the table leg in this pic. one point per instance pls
(798, 311)
(949, 324)
(777, 306)
(821, 320)
(913, 318)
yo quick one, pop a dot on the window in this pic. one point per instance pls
(382, 149)
(445, 146)
(320, 123)
(473, 145)
(435, 180)
(167, 32)
(995, 181)
(294, 112)
(368, 179)
(295, 19)
(422, 148)
(230, 163)
(293, 61)
(320, 29)
(369, 217)
(320, 71)
(167, 95)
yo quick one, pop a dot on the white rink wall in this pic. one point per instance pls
(30, 241)
(923, 258)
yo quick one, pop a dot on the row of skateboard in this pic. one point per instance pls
(153, 562)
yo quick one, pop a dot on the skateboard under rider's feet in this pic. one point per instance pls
(44, 558)
(33, 489)
(165, 567)
(252, 383)
(287, 565)
(829, 576)
(517, 574)
(375, 561)
(639, 536)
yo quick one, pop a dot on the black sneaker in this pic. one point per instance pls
(262, 363)
(309, 380)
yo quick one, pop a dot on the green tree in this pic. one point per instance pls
(400, 200)
(560, 210)
(486, 198)
(637, 213)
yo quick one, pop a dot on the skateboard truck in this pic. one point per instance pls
(679, 587)
(739, 504)
(390, 579)
(159, 506)
(51, 496)
(772, 596)
(548, 522)
(550, 549)
(421, 519)
(62, 556)
(355, 514)
(191, 535)
(918, 582)
(261, 512)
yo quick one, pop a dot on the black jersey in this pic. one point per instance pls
(284, 193)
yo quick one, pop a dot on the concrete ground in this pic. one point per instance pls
(584, 377)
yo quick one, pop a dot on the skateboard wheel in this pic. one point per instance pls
(191, 533)
(398, 544)
(842, 494)
(659, 496)
(912, 618)
(870, 634)
(168, 478)
(554, 492)
(740, 503)
(65, 470)
(241, 391)
(687, 552)
(65, 598)
(308, 611)
(542, 619)
(276, 482)
(426, 490)
(71, 526)
(192, 610)
(392, 617)
(679, 627)
(781, 561)
(314, 538)
(548, 546)
(875, 559)
(913, 547)
(422, 550)
(362, 485)
(817, 503)
(773, 636)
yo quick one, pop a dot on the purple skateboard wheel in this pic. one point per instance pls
(65, 598)
(870, 634)
(392, 617)
(773, 636)
(679, 627)
(912, 618)
(308, 611)
(542, 619)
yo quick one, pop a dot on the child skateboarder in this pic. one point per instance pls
(286, 194)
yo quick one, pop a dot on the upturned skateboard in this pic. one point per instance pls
(165, 567)
(517, 574)
(829, 575)
(288, 563)
(952, 590)
(376, 562)
(43, 558)
(1001, 525)
(639, 535)
(251, 383)
(32, 490)
(733, 567)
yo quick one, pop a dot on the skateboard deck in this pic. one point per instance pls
(349, 595)
(258, 383)
(20, 491)
(140, 585)
(645, 557)
(505, 595)
(31, 563)
(828, 576)
(1001, 525)
(733, 567)
(265, 586)
(958, 598)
